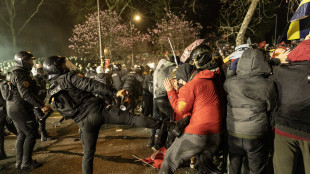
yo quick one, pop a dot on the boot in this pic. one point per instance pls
(31, 166)
(162, 135)
(152, 138)
(44, 135)
(179, 126)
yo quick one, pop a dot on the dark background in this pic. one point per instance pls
(48, 32)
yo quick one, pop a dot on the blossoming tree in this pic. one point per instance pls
(118, 38)
(180, 31)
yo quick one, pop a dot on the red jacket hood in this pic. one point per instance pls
(207, 74)
(301, 52)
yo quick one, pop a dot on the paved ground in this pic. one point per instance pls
(115, 147)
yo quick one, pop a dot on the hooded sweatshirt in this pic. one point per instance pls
(251, 97)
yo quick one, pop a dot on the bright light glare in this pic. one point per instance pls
(137, 18)
(105, 51)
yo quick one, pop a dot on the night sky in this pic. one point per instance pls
(48, 32)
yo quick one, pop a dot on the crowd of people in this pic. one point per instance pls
(246, 111)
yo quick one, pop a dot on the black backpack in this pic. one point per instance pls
(62, 101)
(6, 89)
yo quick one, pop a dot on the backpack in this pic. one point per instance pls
(63, 102)
(6, 89)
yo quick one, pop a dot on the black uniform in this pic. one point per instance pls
(106, 79)
(41, 83)
(20, 109)
(4, 121)
(148, 95)
(117, 78)
(73, 97)
(133, 84)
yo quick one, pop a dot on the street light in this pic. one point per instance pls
(136, 18)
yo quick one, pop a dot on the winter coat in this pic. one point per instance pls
(292, 79)
(200, 98)
(251, 97)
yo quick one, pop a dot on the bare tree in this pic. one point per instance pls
(237, 17)
(9, 18)
(246, 21)
(291, 7)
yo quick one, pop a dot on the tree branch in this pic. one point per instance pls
(125, 6)
(32, 15)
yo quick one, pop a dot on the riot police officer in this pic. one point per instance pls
(132, 87)
(20, 109)
(104, 76)
(38, 76)
(117, 74)
(73, 96)
(4, 121)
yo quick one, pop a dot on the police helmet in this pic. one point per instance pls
(52, 66)
(138, 69)
(100, 70)
(201, 55)
(21, 59)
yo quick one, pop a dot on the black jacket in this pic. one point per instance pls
(106, 79)
(133, 82)
(80, 90)
(148, 84)
(117, 79)
(41, 86)
(25, 88)
(293, 110)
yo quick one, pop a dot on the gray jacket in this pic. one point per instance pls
(251, 97)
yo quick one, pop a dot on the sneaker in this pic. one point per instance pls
(33, 165)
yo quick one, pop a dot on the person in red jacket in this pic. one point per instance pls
(200, 98)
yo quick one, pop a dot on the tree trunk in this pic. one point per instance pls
(246, 21)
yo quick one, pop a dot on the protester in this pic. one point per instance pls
(200, 99)
(292, 130)
(251, 98)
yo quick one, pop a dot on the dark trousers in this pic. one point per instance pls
(256, 150)
(166, 113)
(27, 128)
(4, 121)
(147, 103)
(187, 146)
(90, 126)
